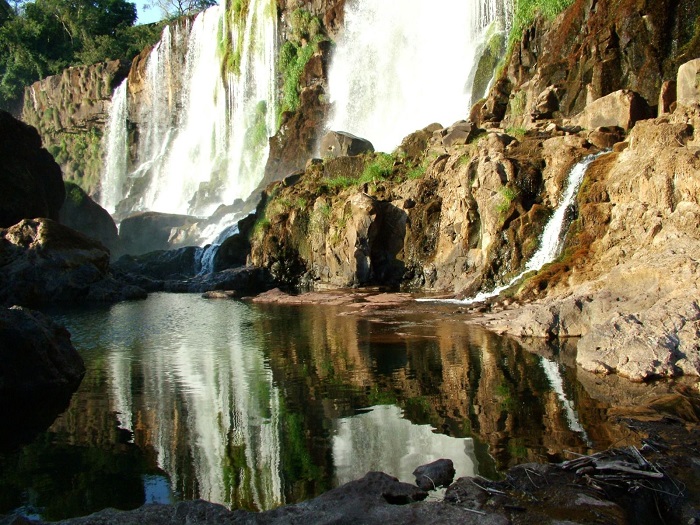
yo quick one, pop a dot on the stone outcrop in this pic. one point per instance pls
(438, 219)
(590, 50)
(83, 214)
(629, 288)
(32, 181)
(44, 262)
(343, 144)
(152, 231)
(70, 111)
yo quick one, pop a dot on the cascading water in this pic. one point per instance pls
(398, 68)
(117, 147)
(550, 241)
(202, 135)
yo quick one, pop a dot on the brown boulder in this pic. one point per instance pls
(622, 109)
(342, 144)
(688, 83)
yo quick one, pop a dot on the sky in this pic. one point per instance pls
(146, 16)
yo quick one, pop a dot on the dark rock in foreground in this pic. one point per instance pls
(439, 473)
(39, 370)
(611, 487)
(43, 262)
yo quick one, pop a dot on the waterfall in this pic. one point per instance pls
(550, 240)
(195, 117)
(117, 147)
(398, 68)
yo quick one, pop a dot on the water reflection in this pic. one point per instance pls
(256, 406)
(381, 439)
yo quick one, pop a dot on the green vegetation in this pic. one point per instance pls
(379, 169)
(518, 103)
(256, 134)
(518, 133)
(304, 39)
(525, 11)
(43, 37)
(507, 196)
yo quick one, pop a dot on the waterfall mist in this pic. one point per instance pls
(398, 68)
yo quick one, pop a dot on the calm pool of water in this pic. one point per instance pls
(257, 406)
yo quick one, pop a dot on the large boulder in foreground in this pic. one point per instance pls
(36, 355)
(43, 262)
(31, 181)
(39, 370)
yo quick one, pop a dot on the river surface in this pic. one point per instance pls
(255, 406)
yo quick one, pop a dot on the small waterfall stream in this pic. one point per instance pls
(399, 68)
(550, 240)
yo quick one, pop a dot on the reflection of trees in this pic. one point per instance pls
(73, 469)
(463, 381)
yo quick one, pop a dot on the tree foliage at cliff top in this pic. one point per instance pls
(42, 37)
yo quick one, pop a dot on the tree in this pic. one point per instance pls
(43, 37)
(176, 8)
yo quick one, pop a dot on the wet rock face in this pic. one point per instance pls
(32, 181)
(70, 111)
(43, 262)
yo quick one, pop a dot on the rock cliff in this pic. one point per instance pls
(463, 215)
(70, 111)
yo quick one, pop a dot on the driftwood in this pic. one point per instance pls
(621, 468)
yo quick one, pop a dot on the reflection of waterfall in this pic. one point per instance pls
(550, 241)
(398, 68)
(209, 397)
(381, 439)
(551, 370)
(202, 134)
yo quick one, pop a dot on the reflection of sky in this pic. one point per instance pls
(381, 439)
